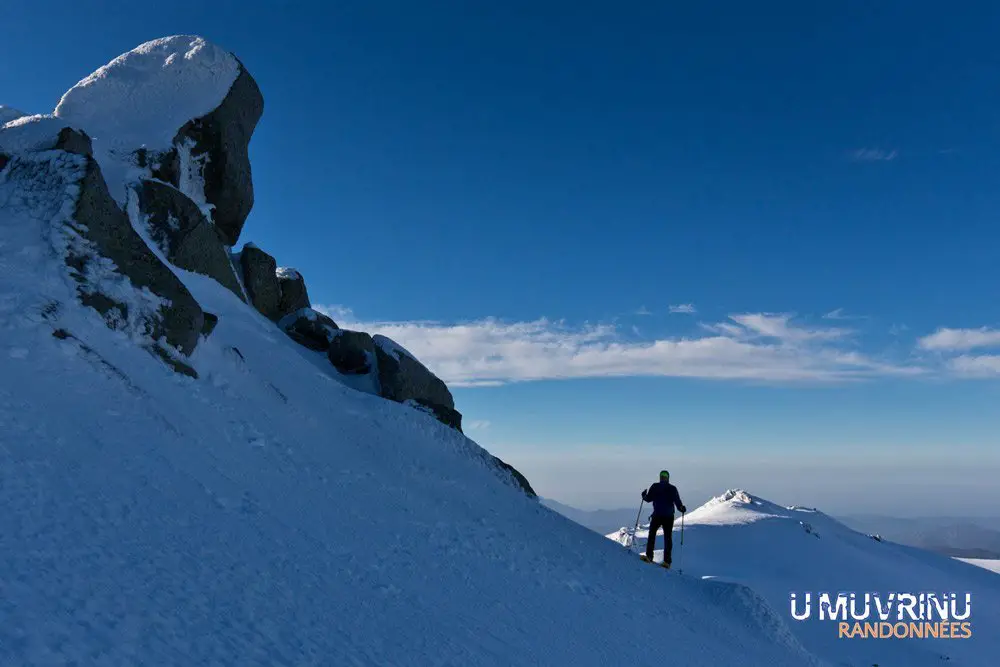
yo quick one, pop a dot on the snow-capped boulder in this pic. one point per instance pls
(185, 237)
(190, 106)
(42, 133)
(309, 328)
(292, 286)
(402, 377)
(261, 281)
(352, 352)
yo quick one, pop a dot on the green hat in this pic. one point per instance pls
(665, 475)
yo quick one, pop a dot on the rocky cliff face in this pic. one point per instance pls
(144, 166)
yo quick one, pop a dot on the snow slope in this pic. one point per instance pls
(777, 550)
(267, 514)
(991, 564)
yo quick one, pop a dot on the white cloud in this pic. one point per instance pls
(874, 155)
(976, 366)
(840, 314)
(764, 347)
(643, 311)
(476, 425)
(683, 309)
(960, 339)
(779, 326)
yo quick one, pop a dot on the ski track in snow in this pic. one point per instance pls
(268, 514)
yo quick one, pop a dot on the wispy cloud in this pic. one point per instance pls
(983, 366)
(683, 309)
(643, 311)
(779, 326)
(960, 339)
(477, 424)
(841, 314)
(751, 346)
(874, 155)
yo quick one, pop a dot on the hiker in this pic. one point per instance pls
(664, 497)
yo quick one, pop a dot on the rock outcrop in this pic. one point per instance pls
(294, 295)
(521, 480)
(352, 352)
(218, 142)
(153, 147)
(186, 238)
(261, 281)
(105, 225)
(309, 328)
(401, 377)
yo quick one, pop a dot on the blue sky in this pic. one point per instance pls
(756, 244)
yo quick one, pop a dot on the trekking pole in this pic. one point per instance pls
(632, 543)
(680, 559)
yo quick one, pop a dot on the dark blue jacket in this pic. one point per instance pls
(664, 497)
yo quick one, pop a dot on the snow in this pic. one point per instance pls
(266, 513)
(286, 273)
(30, 133)
(191, 179)
(991, 564)
(391, 347)
(8, 114)
(141, 98)
(743, 539)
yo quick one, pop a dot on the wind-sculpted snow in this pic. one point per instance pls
(141, 98)
(773, 550)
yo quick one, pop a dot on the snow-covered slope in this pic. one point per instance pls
(991, 564)
(267, 514)
(777, 550)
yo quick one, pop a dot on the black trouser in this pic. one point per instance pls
(667, 524)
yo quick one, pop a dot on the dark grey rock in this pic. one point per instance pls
(104, 224)
(445, 415)
(521, 480)
(260, 281)
(184, 234)
(163, 165)
(224, 135)
(211, 321)
(309, 328)
(292, 286)
(74, 141)
(352, 352)
(401, 377)
(4, 159)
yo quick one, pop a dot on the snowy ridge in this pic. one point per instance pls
(741, 538)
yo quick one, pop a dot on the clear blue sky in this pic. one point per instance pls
(521, 191)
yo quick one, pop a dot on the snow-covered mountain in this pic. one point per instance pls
(197, 469)
(775, 551)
